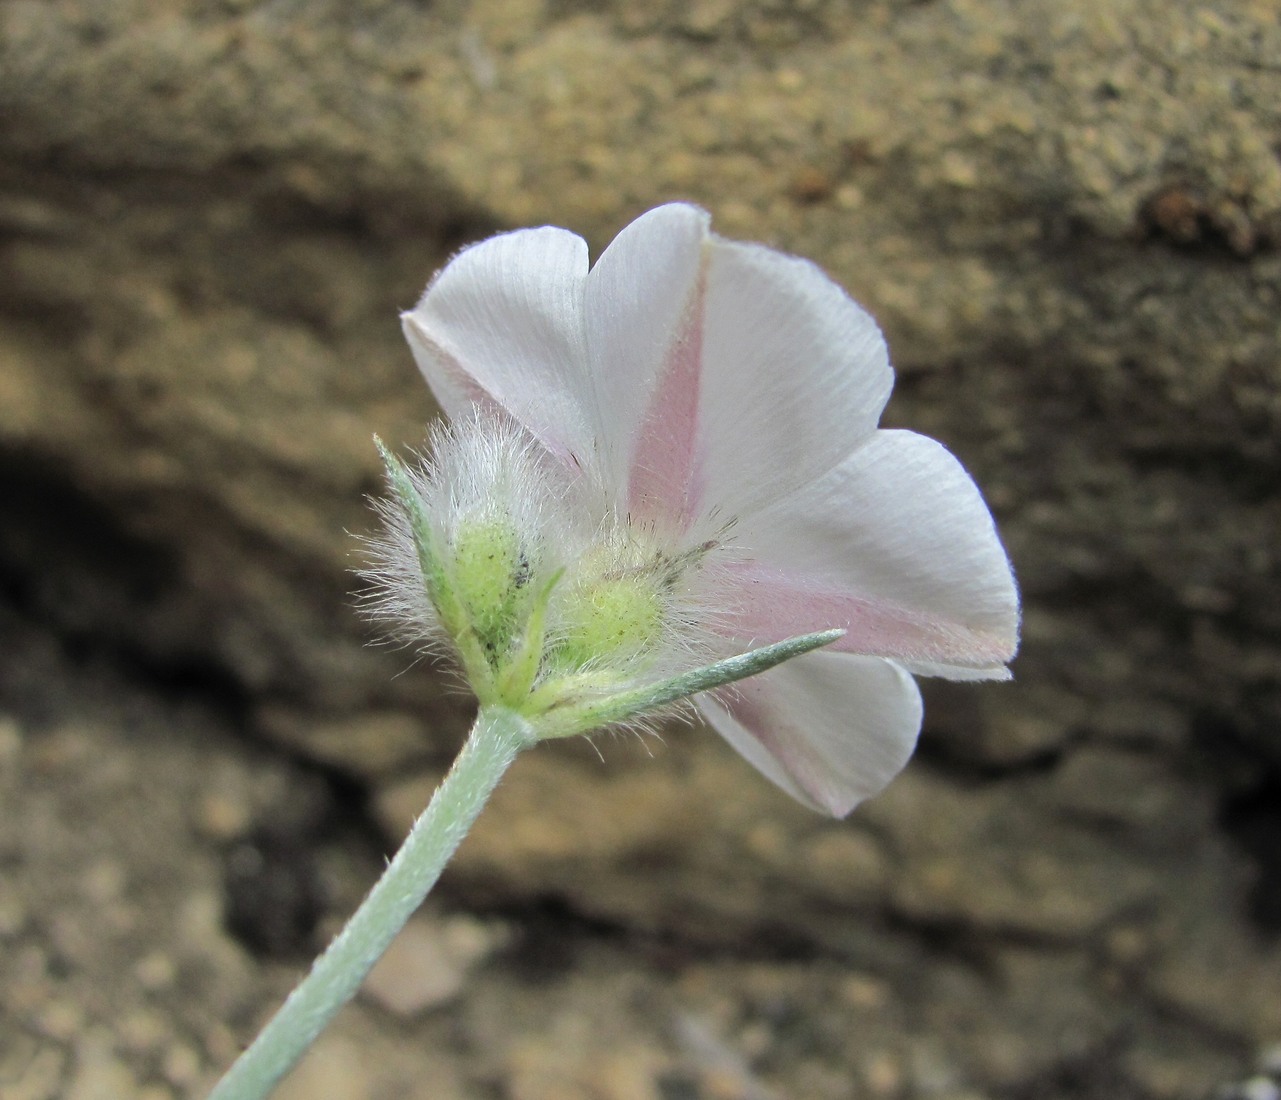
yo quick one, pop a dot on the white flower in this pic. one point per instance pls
(718, 403)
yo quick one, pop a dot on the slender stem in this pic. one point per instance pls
(495, 739)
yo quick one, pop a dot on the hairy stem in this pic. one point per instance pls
(495, 739)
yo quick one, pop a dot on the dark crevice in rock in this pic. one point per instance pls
(549, 936)
(971, 945)
(935, 940)
(72, 576)
(77, 186)
(1226, 753)
(942, 757)
(550, 932)
(1117, 595)
(275, 890)
(63, 557)
(167, 598)
(1098, 1075)
(1247, 476)
(67, 566)
(1252, 818)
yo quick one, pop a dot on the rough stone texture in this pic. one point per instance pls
(1066, 214)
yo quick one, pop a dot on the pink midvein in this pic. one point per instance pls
(665, 484)
(768, 605)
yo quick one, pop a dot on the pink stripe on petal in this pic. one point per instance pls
(665, 485)
(769, 606)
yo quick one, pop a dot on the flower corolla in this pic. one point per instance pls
(674, 454)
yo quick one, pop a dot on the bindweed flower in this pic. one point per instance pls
(671, 457)
(662, 479)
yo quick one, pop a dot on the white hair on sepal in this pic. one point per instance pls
(474, 470)
(491, 544)
(488, 465)
(396, 596)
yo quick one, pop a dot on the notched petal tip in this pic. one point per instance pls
(641, 305)
(670, 217)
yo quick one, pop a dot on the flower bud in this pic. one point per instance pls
(490, 572)
(492, 553)
(609, 619)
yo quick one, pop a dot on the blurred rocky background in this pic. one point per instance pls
(1066, 215)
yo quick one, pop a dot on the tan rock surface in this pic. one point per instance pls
(1066, 214)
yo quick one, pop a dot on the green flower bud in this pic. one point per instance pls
(490, 573)
(487, 555)
(614, 617)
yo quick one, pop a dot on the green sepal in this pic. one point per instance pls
(440, 590)
(515, 679)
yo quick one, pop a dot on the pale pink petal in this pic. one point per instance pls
(959, 672)
(897, 546)
(764, 605)
(504, 322)
(643, 326)
(795, 375)
(831, 729)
